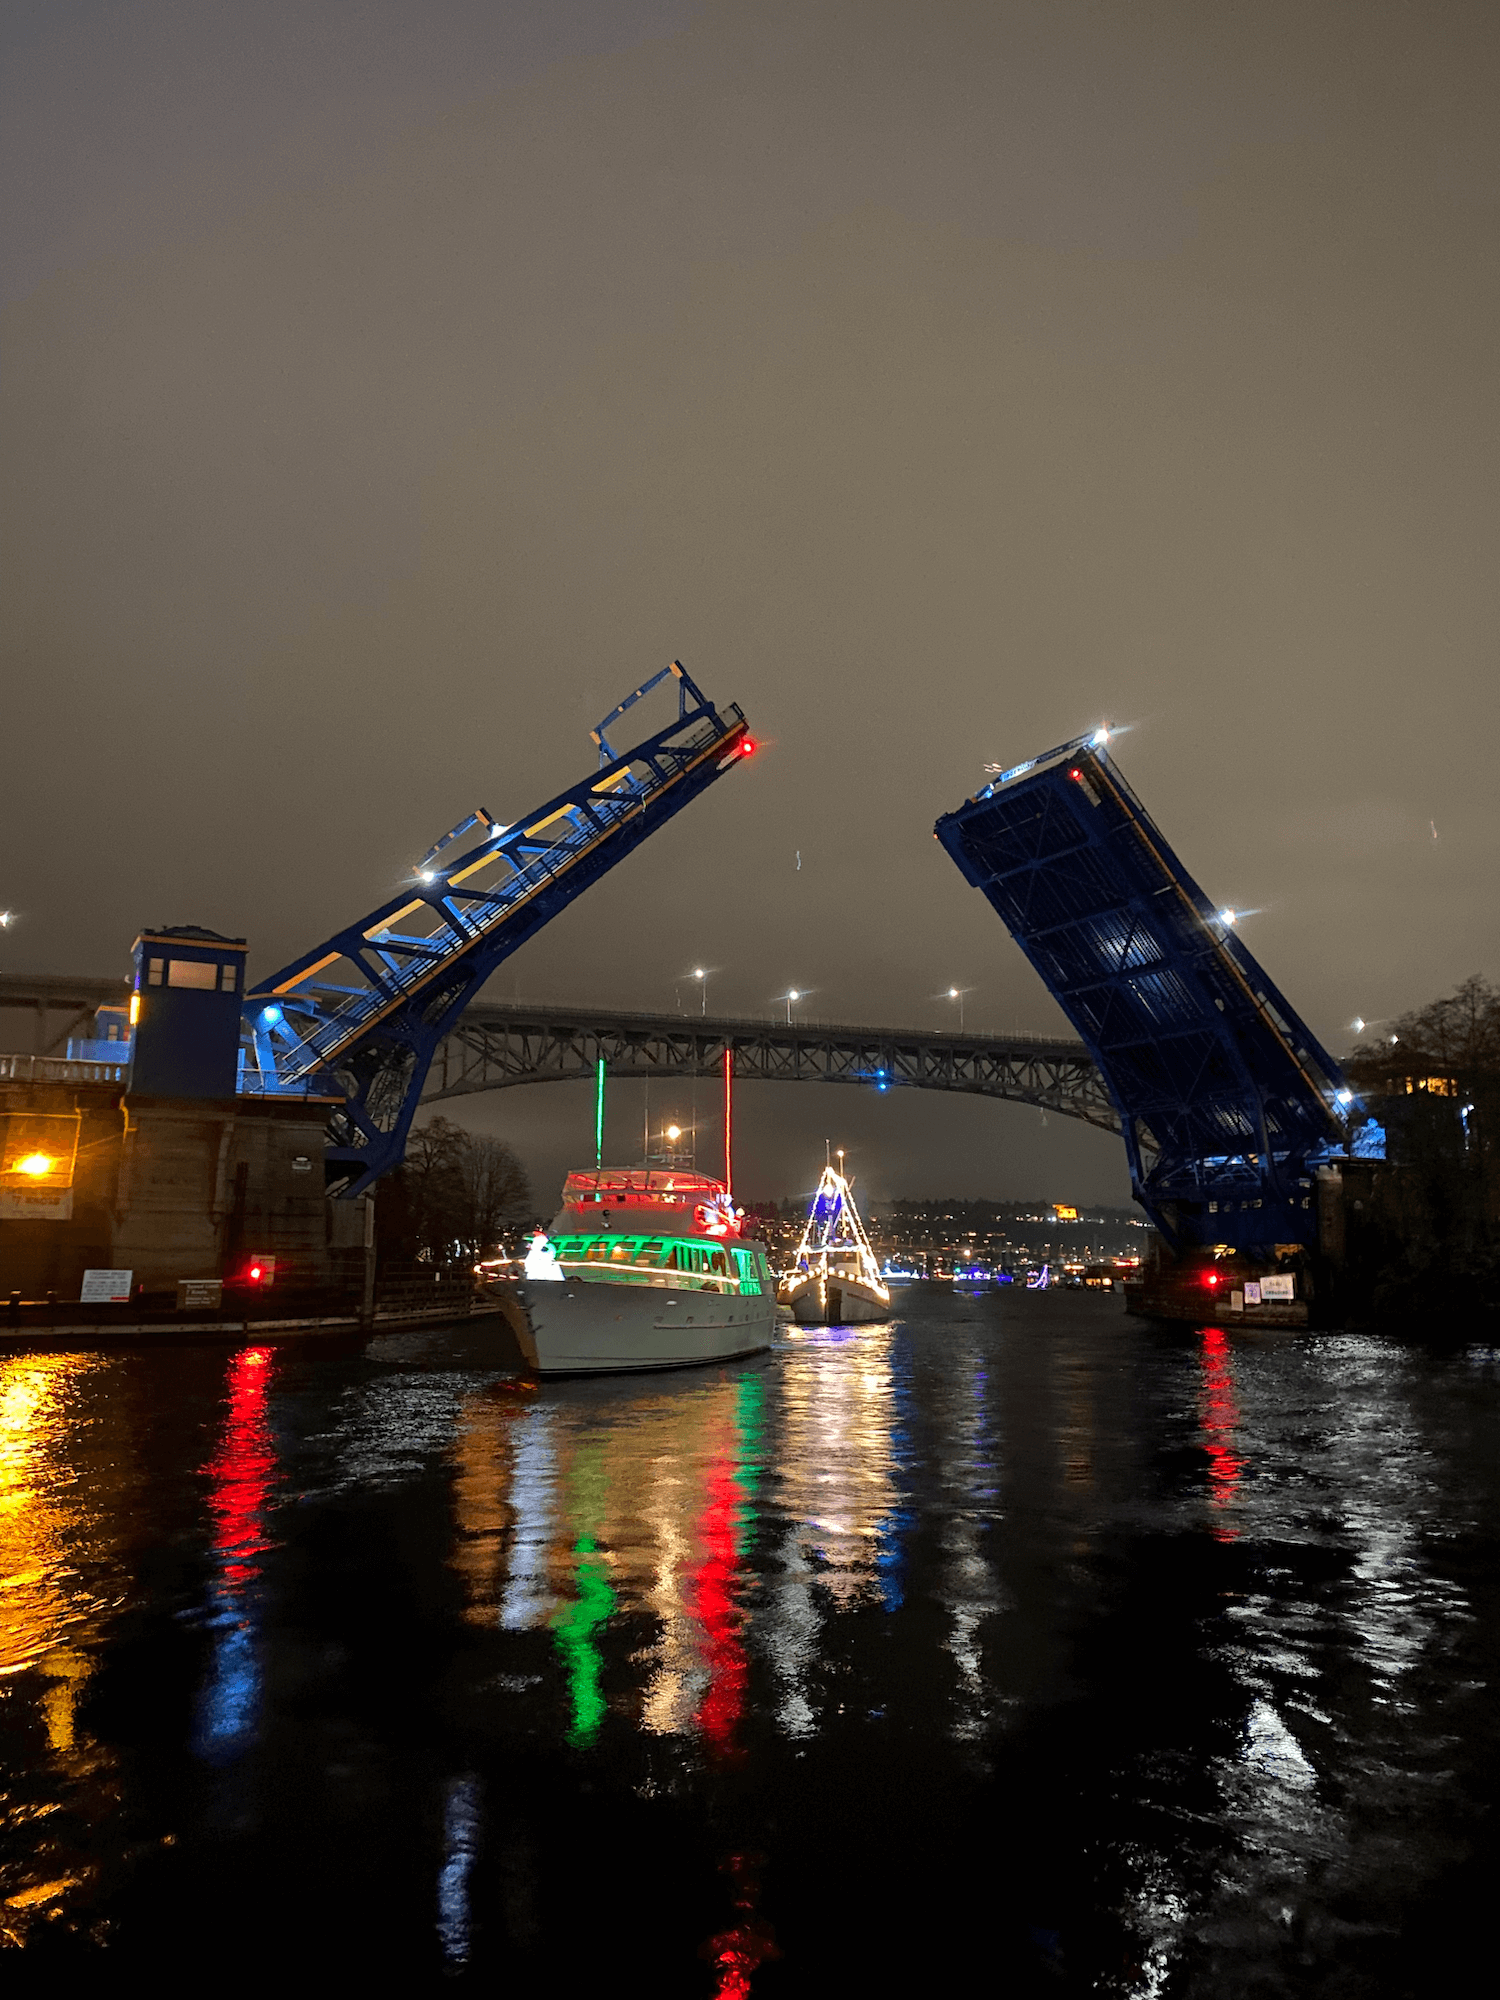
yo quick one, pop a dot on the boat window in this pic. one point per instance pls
(649, 1253)
(719, 1262)
(597, 1252)
(745, 1264)
(620, 1254)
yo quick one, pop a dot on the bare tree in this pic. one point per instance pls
(458, 1193)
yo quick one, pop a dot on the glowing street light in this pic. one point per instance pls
(702, 978)
(36, 1164)
(7, 918)
(956, 994)
(791, 998)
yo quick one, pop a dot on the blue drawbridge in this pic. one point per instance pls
(358, 1018)
(1227, 1100)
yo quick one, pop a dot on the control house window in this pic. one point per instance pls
(192, 972)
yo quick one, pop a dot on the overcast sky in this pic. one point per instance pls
(388, 388)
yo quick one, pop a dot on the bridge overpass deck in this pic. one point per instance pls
(500, 1044)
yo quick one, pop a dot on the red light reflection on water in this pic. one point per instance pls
(1219, 1414)
(750, 1941)
(242, 1469)
(713, 1600)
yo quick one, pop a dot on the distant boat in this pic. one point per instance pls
(836, 1280)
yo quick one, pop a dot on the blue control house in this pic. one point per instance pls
(188, 987)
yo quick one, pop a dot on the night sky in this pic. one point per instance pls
(387, 389)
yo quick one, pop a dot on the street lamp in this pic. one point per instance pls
(957, 993)
(702, 978)
(790, 997)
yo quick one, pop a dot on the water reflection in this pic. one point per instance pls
(1212, 1707)
(58, 1574)
(1220, 1416)
(838, 1501)
(241, 1475)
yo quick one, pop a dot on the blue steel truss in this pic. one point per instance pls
(359, 1017)
(1227, 1101)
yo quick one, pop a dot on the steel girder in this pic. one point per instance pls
(1210, 1066)
(360, 1016)
(497, 1045)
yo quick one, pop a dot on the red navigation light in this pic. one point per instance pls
(1076, 775)
(256, 1273)
(748, 747)
(1210, 1278)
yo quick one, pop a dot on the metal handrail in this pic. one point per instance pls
(58, 1069)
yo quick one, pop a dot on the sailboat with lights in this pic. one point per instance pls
(836, 1280)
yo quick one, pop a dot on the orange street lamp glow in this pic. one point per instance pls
(36, 1164)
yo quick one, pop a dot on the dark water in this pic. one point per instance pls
(1014, 1647)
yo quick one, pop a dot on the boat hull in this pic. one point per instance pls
(835, 1302)
(595, 1328)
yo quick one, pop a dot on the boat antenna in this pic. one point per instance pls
(728, 1120)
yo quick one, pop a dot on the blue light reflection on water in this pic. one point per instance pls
(992, 1536)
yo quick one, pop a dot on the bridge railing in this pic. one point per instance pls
(58, 1069)
(498, 1013)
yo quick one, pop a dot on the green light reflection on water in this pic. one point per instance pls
(584, 1662)
(749, 1423)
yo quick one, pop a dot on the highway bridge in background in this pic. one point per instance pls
(499, 1044)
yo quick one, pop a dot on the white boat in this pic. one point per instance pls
(641, 1269)
(835, 1280)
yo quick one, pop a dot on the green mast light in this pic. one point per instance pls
(599, 1117)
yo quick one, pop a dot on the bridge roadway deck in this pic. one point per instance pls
(501, 1043)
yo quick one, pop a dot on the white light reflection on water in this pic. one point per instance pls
(527, 1598)
(461, 1831)
(838, 1497)
(969, 1591)
(1328, 1455)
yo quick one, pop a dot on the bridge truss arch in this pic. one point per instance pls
(496, 1045)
